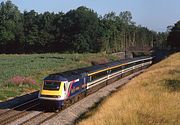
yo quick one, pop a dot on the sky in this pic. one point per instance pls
(154, 14)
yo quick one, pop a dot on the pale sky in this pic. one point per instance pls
(154, 14)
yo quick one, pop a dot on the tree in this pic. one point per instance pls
(46, 30)
(174, 36)
(11, 27)
(83, 22)
(31, 31)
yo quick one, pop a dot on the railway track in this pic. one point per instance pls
(10, 115)
(39, 118)
(19, 111)
(26, 108)
(3, 111)
(45, 116)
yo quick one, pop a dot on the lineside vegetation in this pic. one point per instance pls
(151, 98)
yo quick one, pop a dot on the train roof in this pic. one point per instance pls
(78, 73)
(124, 61)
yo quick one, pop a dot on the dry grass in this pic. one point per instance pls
(151, 98)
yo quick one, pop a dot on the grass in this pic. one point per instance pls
(35, 67)
(153, 98)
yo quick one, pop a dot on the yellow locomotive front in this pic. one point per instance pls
(53, 92)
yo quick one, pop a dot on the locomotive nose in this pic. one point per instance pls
(52, 92)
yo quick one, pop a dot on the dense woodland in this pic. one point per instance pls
(79, 30)
(174, 36)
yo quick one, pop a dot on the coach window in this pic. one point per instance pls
(146, 60)
(116, 69)
(89, 78)
(99, 75)
(123, 67)
(129, 65)
(139, 62)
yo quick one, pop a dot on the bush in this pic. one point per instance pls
(172, 85)
(99, 61)
(20, 80)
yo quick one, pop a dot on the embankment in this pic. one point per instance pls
(151, 98)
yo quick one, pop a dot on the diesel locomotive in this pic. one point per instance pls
(67, 87)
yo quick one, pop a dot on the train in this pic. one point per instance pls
(63, 88)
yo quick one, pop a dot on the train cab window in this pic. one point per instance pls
(51, 85)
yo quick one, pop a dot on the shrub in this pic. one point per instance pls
(20, 80)
(99, 61)
(172, 85)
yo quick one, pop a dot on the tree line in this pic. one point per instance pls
(173, 39)
(79, 30)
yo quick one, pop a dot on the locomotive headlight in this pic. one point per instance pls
(58, 96)
(50, 96)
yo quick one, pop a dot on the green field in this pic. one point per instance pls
(34, 67)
